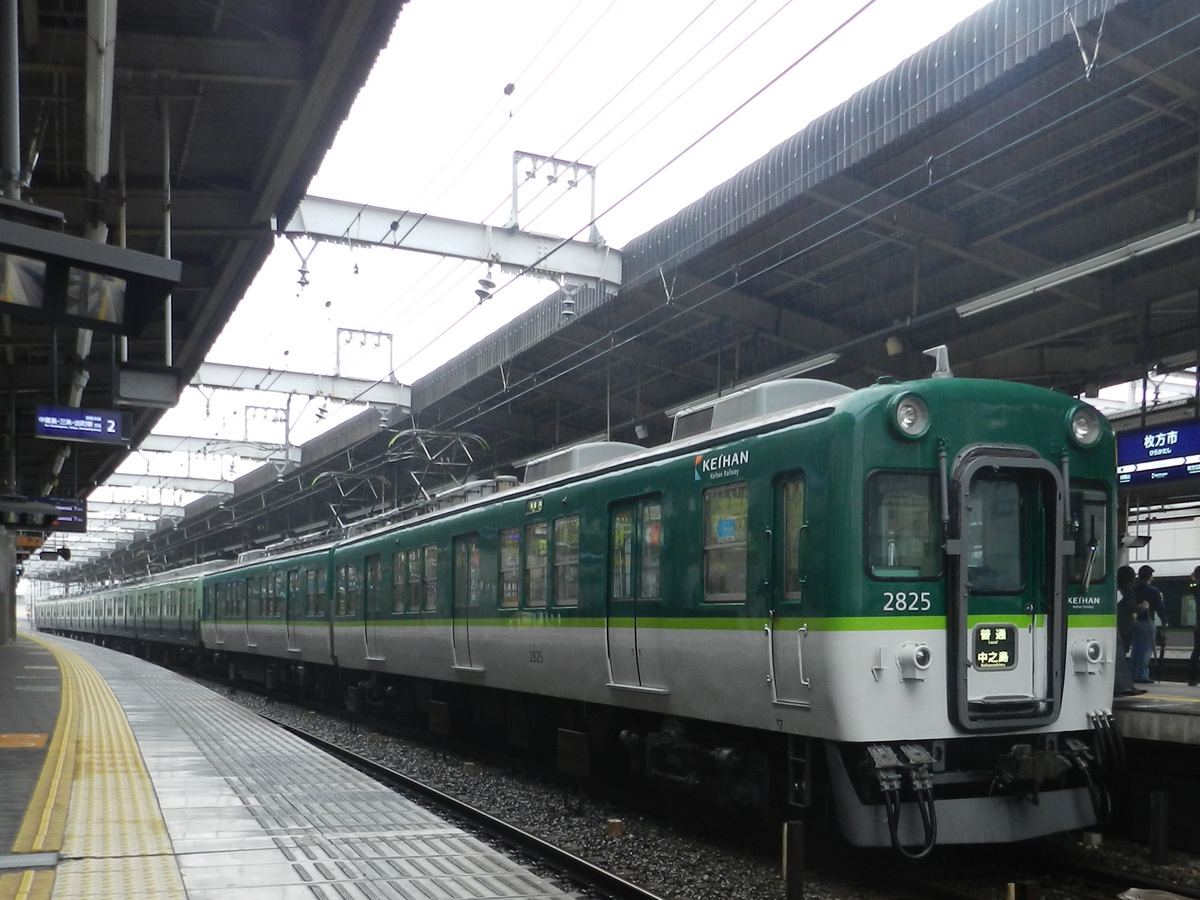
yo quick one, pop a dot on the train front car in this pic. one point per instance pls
(969, 636)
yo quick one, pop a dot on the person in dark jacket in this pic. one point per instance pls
(1194, 660)
(1148, 603)
(1123, 682)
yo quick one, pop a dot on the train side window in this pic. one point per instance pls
(322, 593)
(1089, 532)
(510, 568)
(413, 585)
(537, 551)
(792, 496)
(256, 598)
(239, 595)
(374, 583)
(725, 511)
(292, 599)
(621, 562)
(400, 579)
(566, 561)
(903, 531)
(651, 545)
(340, 588)
(431, 577)
(468, 572)
(636, 551)
(279, 595)
(994, 535)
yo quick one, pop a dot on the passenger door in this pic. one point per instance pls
(294, 604)
(374, 612)
(466, 595)
(786, 628)
(633, 618)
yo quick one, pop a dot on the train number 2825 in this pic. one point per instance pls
(906, 601)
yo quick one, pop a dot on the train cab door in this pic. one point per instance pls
(466, 598)
(634, 600)
(786, 631)
(1006, 612)
(373, 609)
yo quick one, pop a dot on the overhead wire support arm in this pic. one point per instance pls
(337, 221)
(576, 171)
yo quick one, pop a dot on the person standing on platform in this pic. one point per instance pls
(1194, 660)
(1148, 604)
(1123, 682)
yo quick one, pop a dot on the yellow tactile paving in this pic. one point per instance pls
(112, 840)
(27, 885)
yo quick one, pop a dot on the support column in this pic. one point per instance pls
(10, 103)
(8, 586)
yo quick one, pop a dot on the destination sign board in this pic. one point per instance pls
(96, 426)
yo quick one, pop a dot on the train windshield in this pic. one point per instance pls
(903, 528)
(995, 534)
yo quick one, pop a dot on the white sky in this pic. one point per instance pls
(625, 85)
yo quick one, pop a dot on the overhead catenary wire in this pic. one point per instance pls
(696, 141)
(426, 303)
(652, 93)
(415, 310)
(490, 140)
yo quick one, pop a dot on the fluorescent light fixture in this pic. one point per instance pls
(1061, 276)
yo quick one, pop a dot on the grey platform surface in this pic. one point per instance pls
(253, 811)
(1167, 711)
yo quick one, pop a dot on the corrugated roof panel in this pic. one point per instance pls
(976, 53)
(972, 56)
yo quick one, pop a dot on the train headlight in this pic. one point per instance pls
(914, 660)
(1084, 426)
(1086, 657)
(910, 416)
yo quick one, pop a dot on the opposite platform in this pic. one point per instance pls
(185, 794)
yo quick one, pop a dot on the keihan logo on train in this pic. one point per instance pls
(721, 464)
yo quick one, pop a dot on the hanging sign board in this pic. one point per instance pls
(94, 426)
(1161, 453)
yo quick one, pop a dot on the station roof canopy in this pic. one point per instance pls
(174, 130)
(1024, 191)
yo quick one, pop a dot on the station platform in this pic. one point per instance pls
(1169, 711)
(121, 779)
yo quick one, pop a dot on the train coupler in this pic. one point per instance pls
(889, 770)
(887, 767)
(1023, 771)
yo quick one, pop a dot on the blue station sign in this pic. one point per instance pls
(1162, 453)
(95, 426)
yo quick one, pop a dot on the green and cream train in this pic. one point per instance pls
(895, 604)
